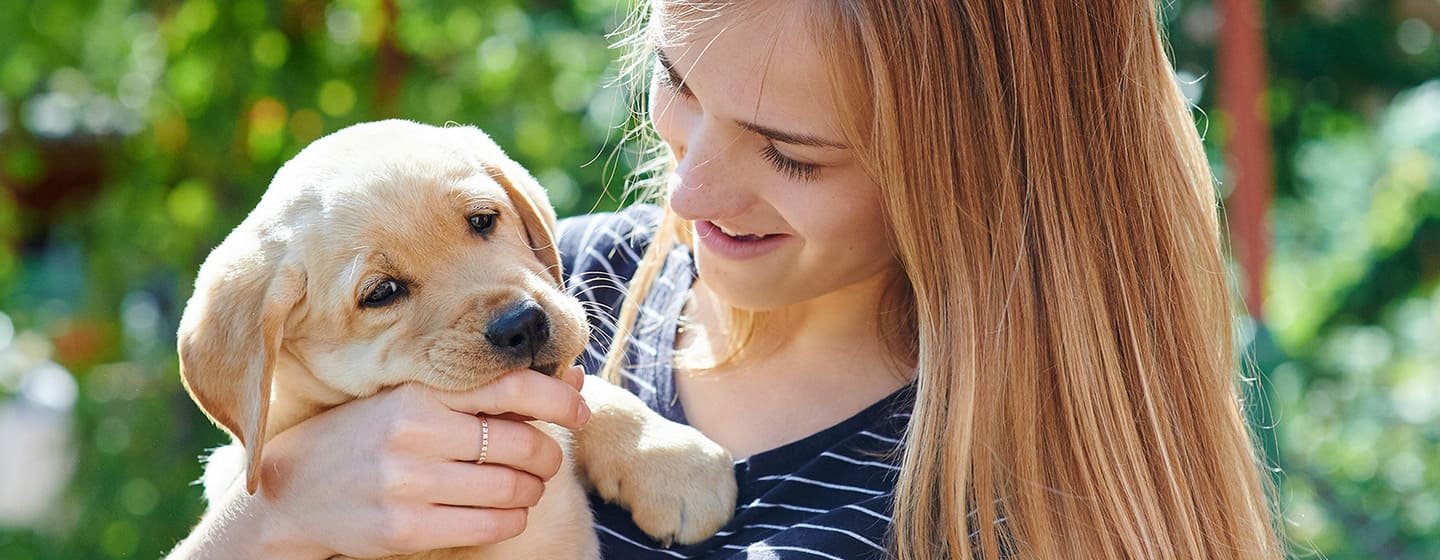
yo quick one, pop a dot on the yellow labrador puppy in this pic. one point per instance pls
(395, 252)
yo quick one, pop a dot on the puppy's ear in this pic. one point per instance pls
(230, 336)
(535, 211)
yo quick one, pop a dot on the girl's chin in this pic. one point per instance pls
(742, 291)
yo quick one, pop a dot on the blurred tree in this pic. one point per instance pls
(1352, 294)
(134, 135)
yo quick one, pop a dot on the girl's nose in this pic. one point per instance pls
(707, 185)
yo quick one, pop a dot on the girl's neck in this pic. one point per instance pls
(814, 365)
(841, 325)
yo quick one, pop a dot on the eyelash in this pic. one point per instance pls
(669, 82)
(795, 170)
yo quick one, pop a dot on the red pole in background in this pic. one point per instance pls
(1241, 73)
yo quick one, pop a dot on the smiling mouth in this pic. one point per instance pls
(547, 369)
(741, 236)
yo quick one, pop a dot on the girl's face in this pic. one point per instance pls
(780, 209)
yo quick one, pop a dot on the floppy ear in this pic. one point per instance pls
(536, 213)
(230, 336)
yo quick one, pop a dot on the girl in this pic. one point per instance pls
(944, 276)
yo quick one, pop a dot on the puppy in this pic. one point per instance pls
(395, 252)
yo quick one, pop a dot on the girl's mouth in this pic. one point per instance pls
(736, 245)
(741, 236)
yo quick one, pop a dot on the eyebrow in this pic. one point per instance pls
(796, 138)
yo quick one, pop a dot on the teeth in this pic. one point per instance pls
(744, 236)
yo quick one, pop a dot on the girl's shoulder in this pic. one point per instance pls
(605, 242)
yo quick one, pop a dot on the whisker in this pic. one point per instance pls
(355, 264)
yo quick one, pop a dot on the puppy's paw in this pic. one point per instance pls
(679, 486)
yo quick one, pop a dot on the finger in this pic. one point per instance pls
(575, 376)
(452, 526)
(490, 486)
(514, 444)
(524, 392)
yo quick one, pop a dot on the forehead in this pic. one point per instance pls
(406, 224)
(404, 208)
(756, 61)
(408, 199)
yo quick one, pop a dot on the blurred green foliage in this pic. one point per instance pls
(133, 136)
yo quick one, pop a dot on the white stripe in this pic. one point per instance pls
(638, 545)
(585, 241)
(885, 466)
(650, 321)
(886, 518)
(640, 383)
(851, 534)
(648, 349)
(756, 526)
(879, 437)
(595, 353)
(616, 241)
(762, 547)
(758, 503)
(787, 478)
(601, 260)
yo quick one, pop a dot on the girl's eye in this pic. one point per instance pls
(795, 170)
(384, 293)
(482, 223)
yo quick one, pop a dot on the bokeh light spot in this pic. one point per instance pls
(120, 539)
(139, 496)
(191, 204)
(270, 49)
(336, 98)
(306, 125)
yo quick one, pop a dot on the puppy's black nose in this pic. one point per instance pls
(521, 330)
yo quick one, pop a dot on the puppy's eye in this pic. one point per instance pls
(482, 223)
(384, 293)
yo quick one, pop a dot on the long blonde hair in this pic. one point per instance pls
(1071, 321)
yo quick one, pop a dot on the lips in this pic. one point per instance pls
(736, 245)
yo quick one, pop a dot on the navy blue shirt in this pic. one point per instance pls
(825, 496)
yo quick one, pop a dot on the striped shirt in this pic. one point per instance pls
(825, 496)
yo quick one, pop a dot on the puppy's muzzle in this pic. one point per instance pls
(521, 332)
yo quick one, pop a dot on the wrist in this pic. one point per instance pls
(277, 536)
(246, 526)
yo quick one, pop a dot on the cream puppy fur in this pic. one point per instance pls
(395, 252)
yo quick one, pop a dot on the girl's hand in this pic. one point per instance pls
(395, 473)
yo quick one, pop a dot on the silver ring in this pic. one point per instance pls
(484, 440)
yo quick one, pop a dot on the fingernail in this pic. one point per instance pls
(583, 412)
